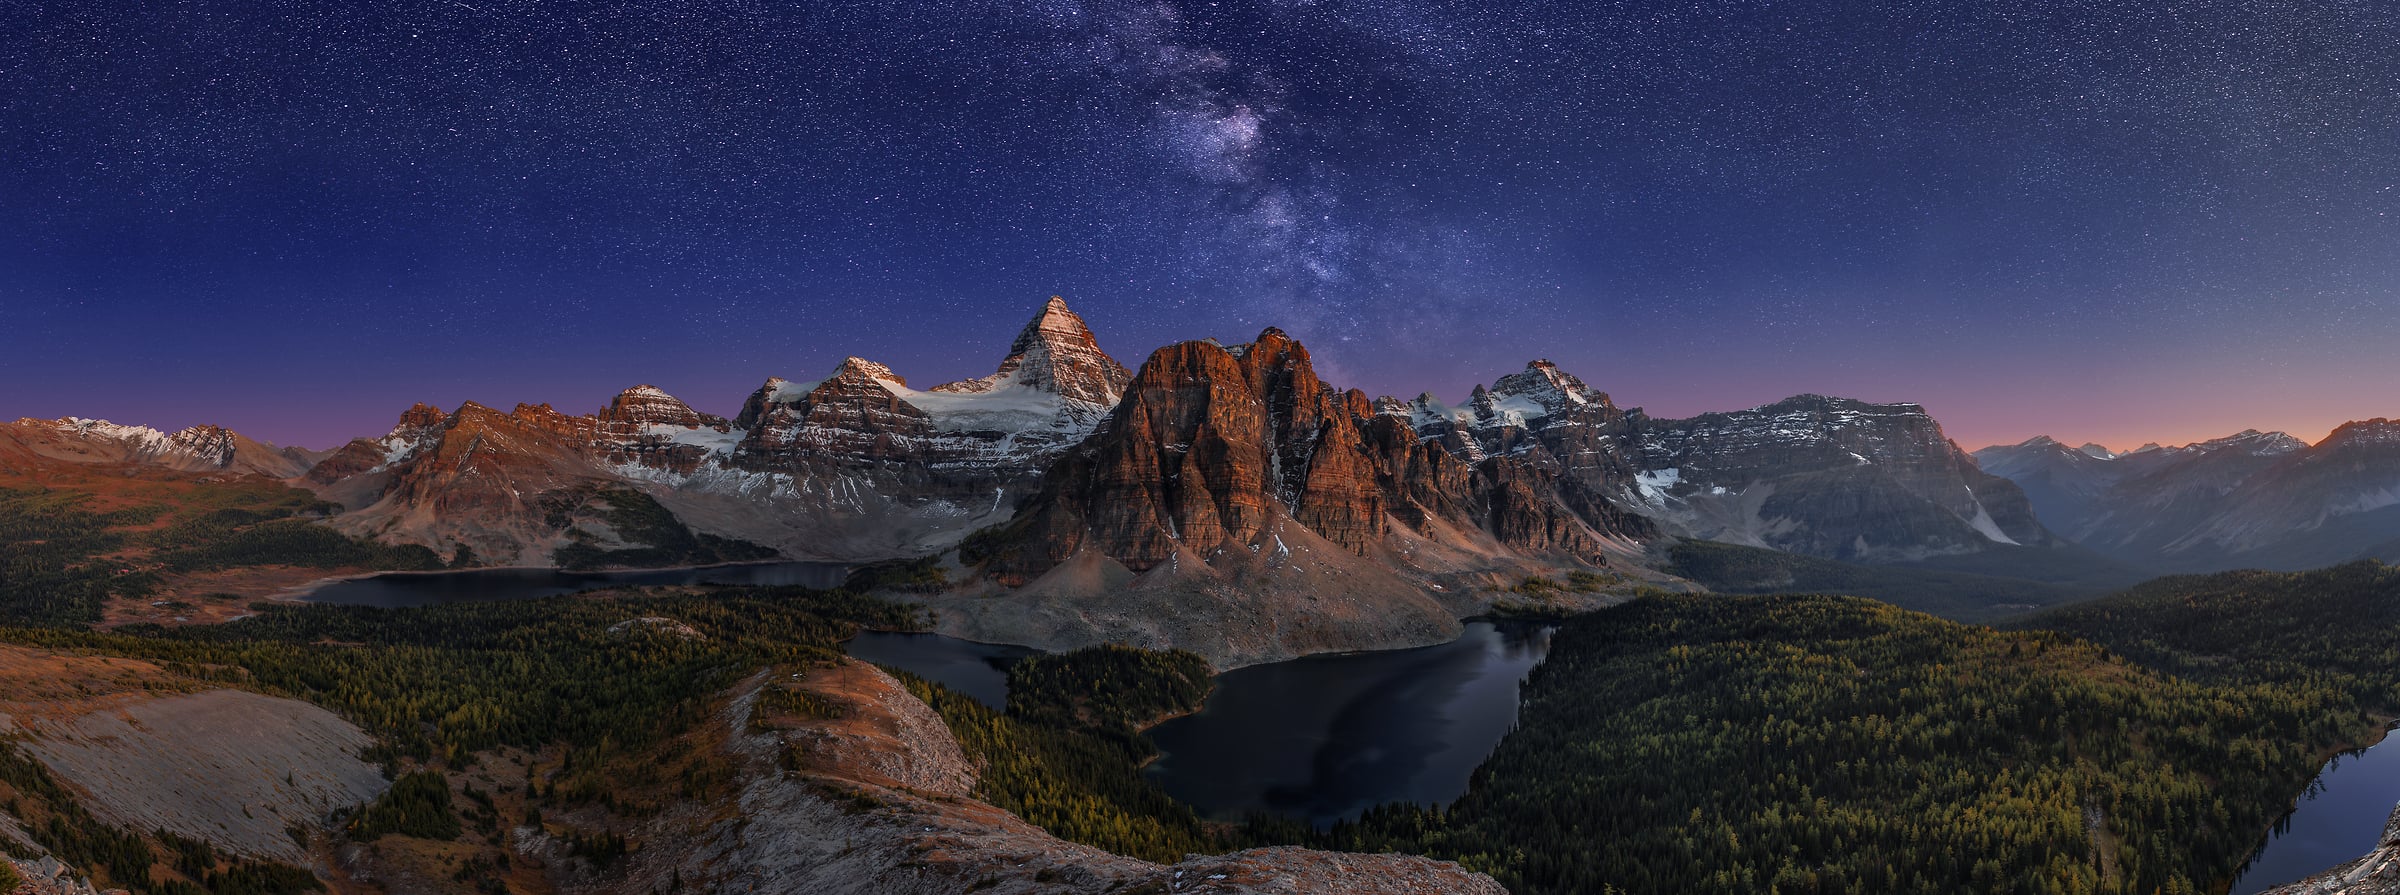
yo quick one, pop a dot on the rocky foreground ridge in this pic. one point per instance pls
(803, 832)
(869, 794)
(145, 747)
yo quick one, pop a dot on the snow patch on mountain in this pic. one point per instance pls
(1984, 525)
(139, 438)
(1656, 484)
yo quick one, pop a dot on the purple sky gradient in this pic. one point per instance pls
(2098, 220)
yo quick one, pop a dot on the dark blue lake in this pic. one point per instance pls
(979, 670)
(1321, 738)
(2340, 819)
(397, 590)
(1324, 738)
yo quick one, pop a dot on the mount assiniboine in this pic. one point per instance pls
(1222, 497)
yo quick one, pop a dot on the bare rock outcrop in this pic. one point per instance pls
(230, 767)
(47, 875)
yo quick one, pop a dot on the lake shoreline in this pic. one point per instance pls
(563, 581)
(299, 594)
(2383, 733)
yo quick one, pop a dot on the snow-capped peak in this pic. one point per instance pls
(2362, 432)
(1054, 353)
(1519, 399)
(1544, 382)
(862, 367)
(2253, 442)
(139, 438)
(636, 409)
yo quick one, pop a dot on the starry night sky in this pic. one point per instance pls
(2118, 221)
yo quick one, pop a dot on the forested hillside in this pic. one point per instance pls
(2336, 628)
(1067, 754)
(1832, 744)
(1980, 593)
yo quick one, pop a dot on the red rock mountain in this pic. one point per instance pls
(1213, 447)
(503, 485)
(1237, 503)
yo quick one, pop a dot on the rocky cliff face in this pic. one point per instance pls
(1214, 448)
(649, 428)
(420, 425)
(1829, 477)
(2254, 498)
(1823, 476)
(207, 449)
(500, 484)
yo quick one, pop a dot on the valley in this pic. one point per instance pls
(1209, 623)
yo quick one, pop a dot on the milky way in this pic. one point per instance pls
(2111, 221)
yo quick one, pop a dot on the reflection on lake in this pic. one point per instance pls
(979, 670)
(1326, 737)
(396, 590)
(2340, 819)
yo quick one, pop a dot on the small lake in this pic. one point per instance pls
(1321, 738)
(400, 590)
(2340, 819)
(1324, 738)
(979, 670)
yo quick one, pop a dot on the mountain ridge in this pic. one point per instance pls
(1222, 487)
(2252, 498)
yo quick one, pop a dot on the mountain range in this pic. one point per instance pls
(2248, 500)
(1227, 498)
